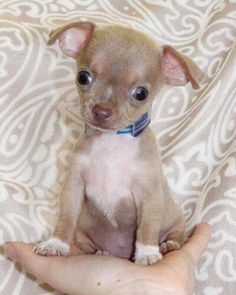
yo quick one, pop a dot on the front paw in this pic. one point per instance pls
(146, 254)
(52, 247)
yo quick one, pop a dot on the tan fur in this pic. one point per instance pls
(120, 59)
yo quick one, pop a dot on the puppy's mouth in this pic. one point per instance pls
(108, 125)
(98, 125)
(102, 125)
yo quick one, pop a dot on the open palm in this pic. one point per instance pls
(102, 275)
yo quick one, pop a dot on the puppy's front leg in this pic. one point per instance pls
(149, 224)
(71, 199)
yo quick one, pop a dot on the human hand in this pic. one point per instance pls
(100, 275)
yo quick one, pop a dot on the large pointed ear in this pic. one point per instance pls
(73, 37)
(178, 69)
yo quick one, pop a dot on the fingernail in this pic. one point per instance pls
(10, 252)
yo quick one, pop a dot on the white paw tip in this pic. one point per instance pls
(146, 254)
(169, 246)
(52, 247)
(101, 252)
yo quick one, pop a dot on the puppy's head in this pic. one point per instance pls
(120, 71)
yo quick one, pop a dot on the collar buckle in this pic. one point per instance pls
(136, 128)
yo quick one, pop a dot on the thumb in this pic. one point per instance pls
(198, 242)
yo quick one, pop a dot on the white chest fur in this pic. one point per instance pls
(110, 165)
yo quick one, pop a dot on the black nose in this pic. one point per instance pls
(100, 114)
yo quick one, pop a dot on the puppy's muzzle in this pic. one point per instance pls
(101, 114)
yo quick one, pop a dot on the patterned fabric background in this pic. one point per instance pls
(39, 122)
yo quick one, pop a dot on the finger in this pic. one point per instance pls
(34, 264)
(81, 274)
(197, 242)
(58, 272)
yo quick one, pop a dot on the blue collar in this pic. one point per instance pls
(136, 128)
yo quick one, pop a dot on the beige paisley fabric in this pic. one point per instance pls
(39, 123)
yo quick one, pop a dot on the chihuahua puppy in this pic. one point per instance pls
(115, 199)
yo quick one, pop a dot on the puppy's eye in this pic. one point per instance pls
(140, 93)
(84, 78)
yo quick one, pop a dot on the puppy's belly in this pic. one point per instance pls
(117, 239)
(115, 242)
